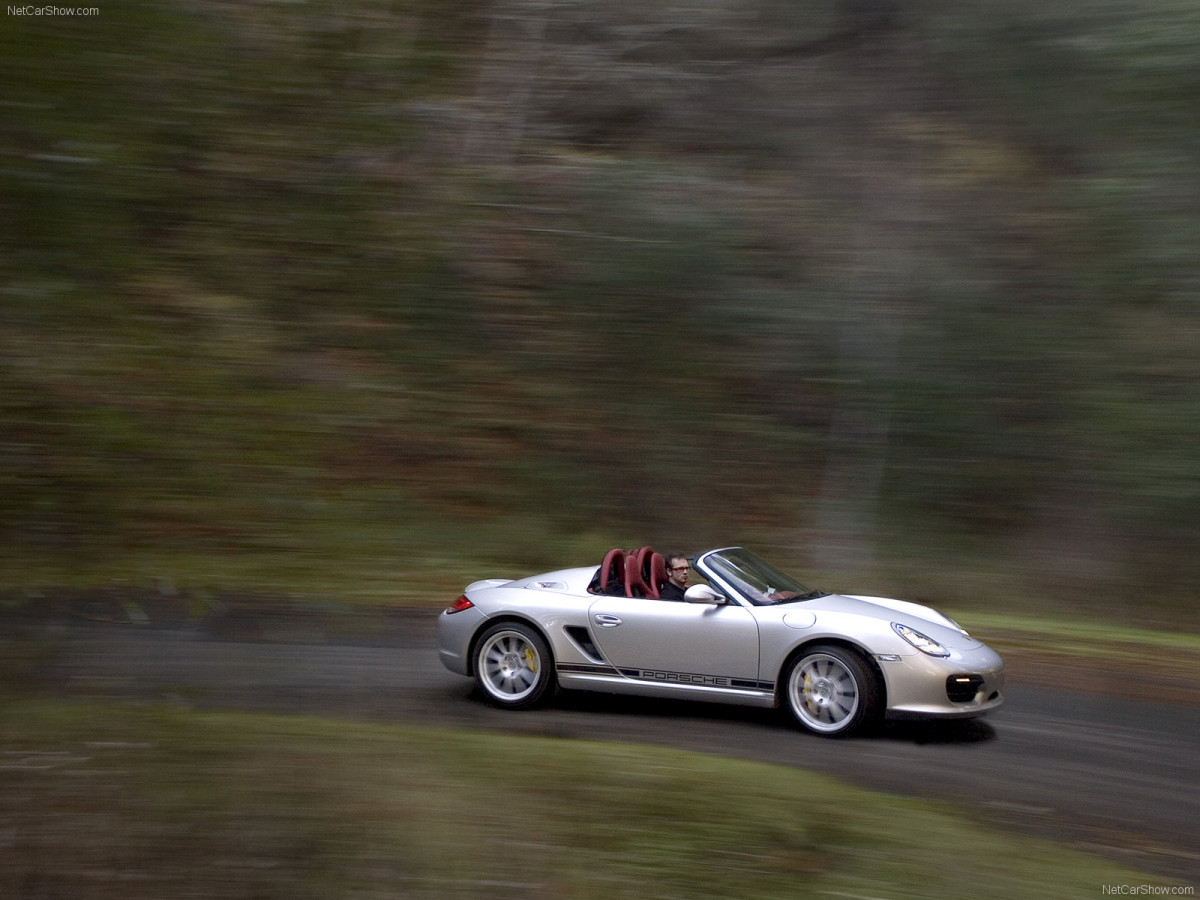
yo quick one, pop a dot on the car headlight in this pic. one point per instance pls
(922, 642)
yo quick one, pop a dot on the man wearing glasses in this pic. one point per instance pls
(677, 577)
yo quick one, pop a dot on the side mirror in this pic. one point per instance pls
(702, 593)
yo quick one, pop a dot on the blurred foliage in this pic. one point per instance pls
(104, 800)
(363, 297)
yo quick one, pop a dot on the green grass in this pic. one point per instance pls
(153, 802)
(1083, 633)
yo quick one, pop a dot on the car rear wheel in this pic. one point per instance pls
(832, 691)
(513, 666)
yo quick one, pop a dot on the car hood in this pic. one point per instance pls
(929, 621)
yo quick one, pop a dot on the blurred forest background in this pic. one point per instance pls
(364, 299)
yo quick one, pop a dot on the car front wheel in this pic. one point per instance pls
(513, 666)
(832, 691)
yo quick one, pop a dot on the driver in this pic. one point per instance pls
(677, 577)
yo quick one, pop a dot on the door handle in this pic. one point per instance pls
(606, 621)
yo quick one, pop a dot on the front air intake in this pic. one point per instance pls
(963, 688)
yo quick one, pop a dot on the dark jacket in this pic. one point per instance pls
(670, 591)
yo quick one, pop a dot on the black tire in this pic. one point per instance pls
(832, 691)
(513, 666)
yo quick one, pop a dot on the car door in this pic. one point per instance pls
(688, 643)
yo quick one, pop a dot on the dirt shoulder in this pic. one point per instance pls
(225, 616)
(1127, 670)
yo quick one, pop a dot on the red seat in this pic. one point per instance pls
(632, 573)
(657, 576)
(612, 577)
(639, 568)
(633, 576)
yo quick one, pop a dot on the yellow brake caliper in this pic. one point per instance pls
(808, 697)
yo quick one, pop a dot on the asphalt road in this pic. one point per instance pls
(1116, 777)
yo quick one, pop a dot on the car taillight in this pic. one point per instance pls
(460, 604)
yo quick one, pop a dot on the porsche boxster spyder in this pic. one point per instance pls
(749, 635)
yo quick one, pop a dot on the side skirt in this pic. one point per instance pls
(679, 685)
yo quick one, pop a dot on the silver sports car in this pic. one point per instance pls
(751, 635)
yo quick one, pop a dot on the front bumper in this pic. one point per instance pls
(963, 685)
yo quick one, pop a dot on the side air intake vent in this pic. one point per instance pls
(580, 637)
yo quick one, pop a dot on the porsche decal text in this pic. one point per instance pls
(683, 678)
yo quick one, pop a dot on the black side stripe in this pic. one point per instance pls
(584, 669)
(653, 676)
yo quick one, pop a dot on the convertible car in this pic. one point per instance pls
(751, 635)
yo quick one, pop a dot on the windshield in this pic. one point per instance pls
(756, 580)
